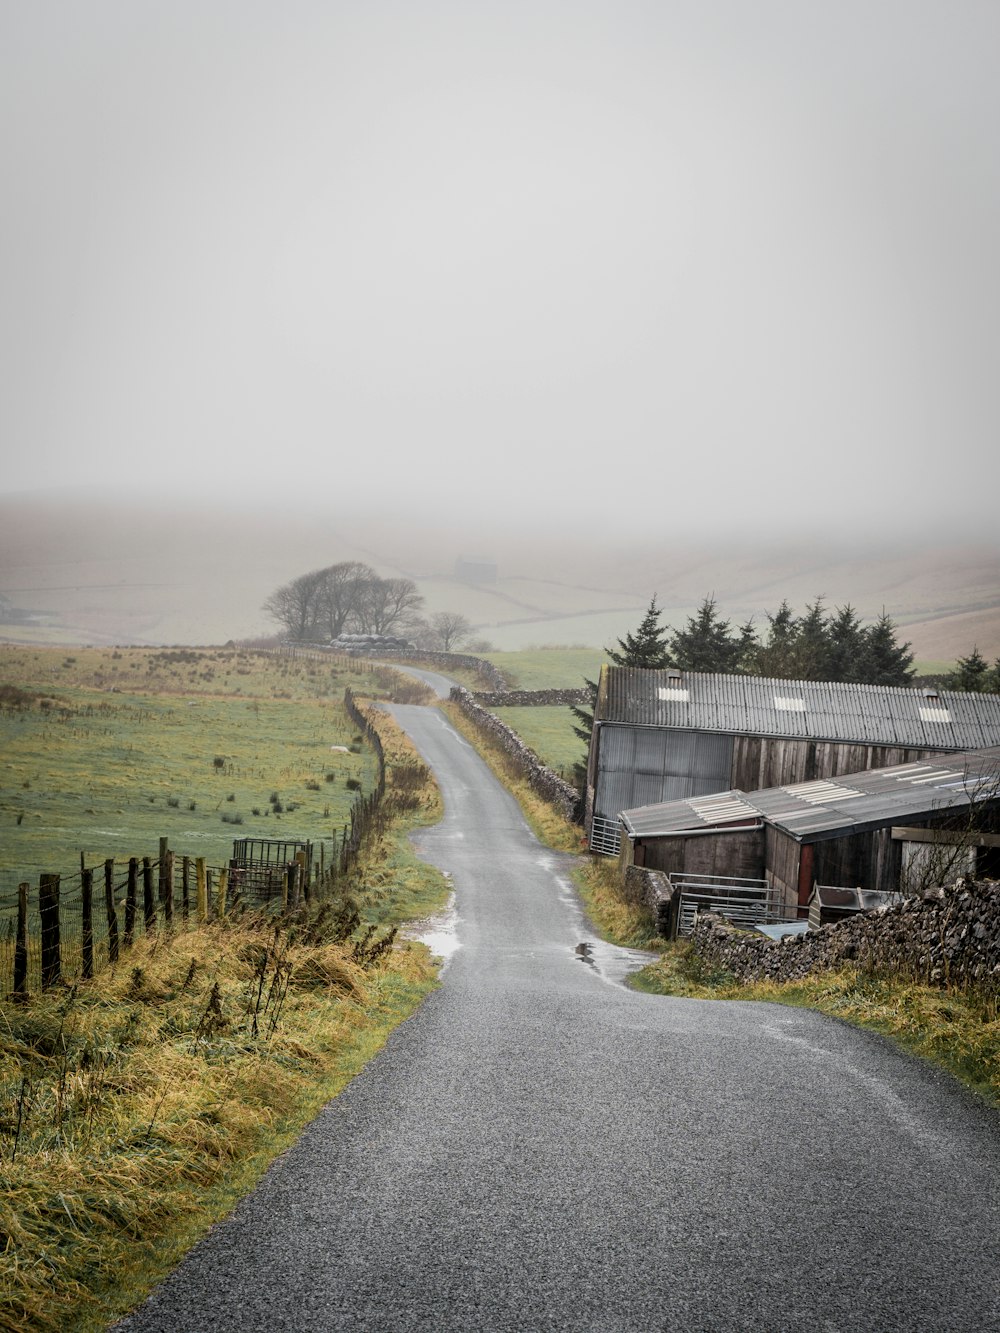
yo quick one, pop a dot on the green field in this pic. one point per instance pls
(549, 668)
(106, 751)
(549, 732)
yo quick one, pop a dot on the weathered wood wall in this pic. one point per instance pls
(777, 761)
(738, 853)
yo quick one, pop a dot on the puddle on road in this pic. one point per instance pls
(438, 932)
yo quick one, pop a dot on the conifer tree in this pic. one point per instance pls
(972, 672)
(886, 661)
(812, 644)
(647, 646)
(846, 645)
(705, 643)
(776, 656)
(749, 646)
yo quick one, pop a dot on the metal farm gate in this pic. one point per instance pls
(260, 865)
(744, 902)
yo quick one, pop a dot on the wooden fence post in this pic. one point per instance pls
(148, 897)
(21, 943)
(168, 887)
(220, 900)
(48, 907)
(201, 888)
(87, 926)
(109, 907)
(131, 893)
(185, 887)
(291, 885)
(303, 865)
(161, 881)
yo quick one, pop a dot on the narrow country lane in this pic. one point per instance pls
(540, 1147)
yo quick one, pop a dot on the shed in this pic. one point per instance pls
(897, 828)
(662, 735)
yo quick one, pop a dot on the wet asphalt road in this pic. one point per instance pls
(541, 1148)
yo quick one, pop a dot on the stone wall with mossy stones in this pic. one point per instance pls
(532, 698)
(947, 937)
(550, 786)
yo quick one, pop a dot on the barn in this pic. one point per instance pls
(663, 735)
(904, 827)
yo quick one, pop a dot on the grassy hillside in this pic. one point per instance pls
(107, 750)
(134, 574)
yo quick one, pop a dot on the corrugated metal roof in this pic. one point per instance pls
(812, 811)
(815, 710)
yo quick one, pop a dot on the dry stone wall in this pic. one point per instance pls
(652, 890)
(531, 698)
(947, 936)
(542, 780)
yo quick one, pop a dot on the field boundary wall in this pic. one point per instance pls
(542, 780)
(946, 937)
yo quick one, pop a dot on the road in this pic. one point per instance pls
(540, 1147)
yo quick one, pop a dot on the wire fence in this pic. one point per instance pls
(71, 926)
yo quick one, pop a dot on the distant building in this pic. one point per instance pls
(475, 569)
(901, 827)
(666, 735)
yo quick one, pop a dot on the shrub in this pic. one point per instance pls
(219, 761)
(352, 784)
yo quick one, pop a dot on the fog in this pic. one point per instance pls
(643, 266)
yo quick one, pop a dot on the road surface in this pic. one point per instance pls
(541, 1148)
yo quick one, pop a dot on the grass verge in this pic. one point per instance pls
(958, 1031)
(138, 1107)
(616, 919)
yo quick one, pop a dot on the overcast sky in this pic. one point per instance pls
(715, 262)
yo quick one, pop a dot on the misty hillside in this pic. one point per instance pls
(133, 573)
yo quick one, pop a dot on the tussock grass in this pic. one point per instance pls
(139, 1103)
(138, 1107)
(548, 825)
(958, 1031)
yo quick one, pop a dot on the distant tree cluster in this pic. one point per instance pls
(818, 645)
(347, 598)
(350, 598)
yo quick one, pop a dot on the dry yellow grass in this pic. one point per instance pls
(138, 1102)
(139, 1106)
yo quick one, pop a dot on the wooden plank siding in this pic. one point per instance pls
(738, 853)
(760, 762)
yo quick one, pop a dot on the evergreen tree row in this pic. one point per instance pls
(818, 645)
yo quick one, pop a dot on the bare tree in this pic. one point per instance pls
(293, 605)
(340, 596)
(450, 628)
(388, 604)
